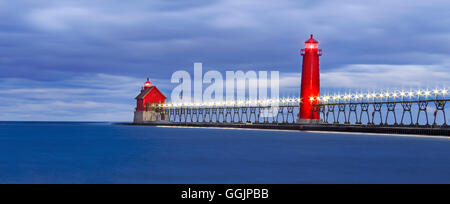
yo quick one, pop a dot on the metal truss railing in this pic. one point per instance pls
(385, 113)
(237, 114)
(416, 113)
(372, 109)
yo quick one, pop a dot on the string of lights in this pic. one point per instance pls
(393, 96)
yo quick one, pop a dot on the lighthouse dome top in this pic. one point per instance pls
(148, 84)
(312, 43)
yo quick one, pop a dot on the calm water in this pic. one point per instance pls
(105, 153)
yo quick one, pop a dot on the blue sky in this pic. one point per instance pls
(85, 60)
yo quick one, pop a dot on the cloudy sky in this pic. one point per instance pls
(85, 60)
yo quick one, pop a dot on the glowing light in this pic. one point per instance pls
(419, 93)
(347, 97)
(436, 91)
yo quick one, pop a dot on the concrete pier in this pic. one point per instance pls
(149, 116)
(421, 130)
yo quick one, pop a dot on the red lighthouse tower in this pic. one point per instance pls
(310, 89)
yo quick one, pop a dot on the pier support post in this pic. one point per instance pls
(364, 109)
(252, 114)
(407, 109)
(377, 109)
(342, 109)
(440, 106)
(236, 112)
(353, 109)
(391, 108)
(290, 113)
(330, 109)
(221, 113)
(423, 105)
(244, 112)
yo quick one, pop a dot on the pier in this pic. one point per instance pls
(399, 116)
(418, 111)
(421, 130)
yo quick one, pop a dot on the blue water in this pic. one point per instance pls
(107, 153)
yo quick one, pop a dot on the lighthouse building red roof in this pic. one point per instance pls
(149, 97)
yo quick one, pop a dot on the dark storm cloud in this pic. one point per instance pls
(139, 37)
(53, 41)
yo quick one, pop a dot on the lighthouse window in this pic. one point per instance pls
(311, 46)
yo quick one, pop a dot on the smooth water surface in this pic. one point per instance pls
(106, 153)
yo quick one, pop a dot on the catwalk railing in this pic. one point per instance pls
(236, 114)
(398, 113)
(383, 109)
(395, 113)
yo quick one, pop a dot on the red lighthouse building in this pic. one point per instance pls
(310, 88)
(149, 104)
(149, 98)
